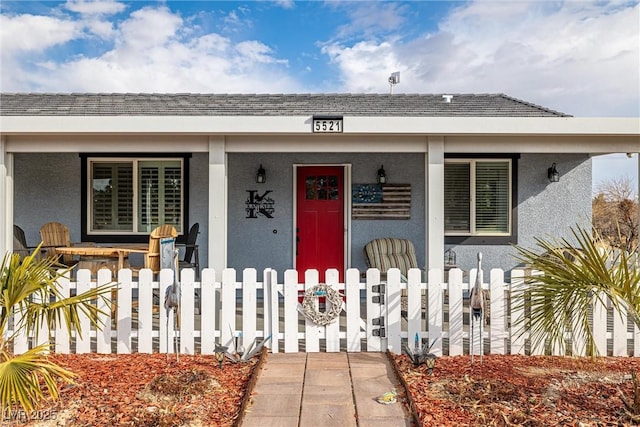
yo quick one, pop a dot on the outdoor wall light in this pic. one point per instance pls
(261, 176)
(553, 174)
(382, 175)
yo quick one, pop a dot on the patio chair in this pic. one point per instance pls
(152, 255)
(20, 242)
(389, 252)
(53, 235)
(191, 254)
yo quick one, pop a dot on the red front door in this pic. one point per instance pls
(320, 219)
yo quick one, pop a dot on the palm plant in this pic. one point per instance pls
(29, 286)
(574, 276)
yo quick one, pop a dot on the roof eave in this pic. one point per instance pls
(301, 125)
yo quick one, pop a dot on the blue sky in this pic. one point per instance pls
(578, 57)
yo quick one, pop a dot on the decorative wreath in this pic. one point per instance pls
(309, 304)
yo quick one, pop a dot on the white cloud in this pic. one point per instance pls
(285, 4)
(153, 50)
(256, 52)
(30, 33)
(578, 57)
(102, 29)
(581, 58)
(148, 28)
(96, 7)
(359, 73)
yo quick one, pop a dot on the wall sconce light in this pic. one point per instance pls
(261, 176)
(382, 175)
(553, 174)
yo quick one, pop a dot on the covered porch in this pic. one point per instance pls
(45, 158)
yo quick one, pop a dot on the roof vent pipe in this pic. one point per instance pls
(447, 98)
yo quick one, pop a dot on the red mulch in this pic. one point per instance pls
(522, 391)
(146, 390)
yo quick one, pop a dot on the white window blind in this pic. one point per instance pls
(477, 198)
(492, 197)
(135, 195)
(457, 197)
(112, 189)
(160, 194)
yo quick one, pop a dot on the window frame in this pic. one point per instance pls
(128, 236)
(468, 238)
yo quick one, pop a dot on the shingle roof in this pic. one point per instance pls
(406, 105)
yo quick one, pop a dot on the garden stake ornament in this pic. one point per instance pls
(239, 354)
(420, 354)
(476, 304)
(172, 295)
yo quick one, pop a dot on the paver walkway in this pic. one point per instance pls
(325, 389)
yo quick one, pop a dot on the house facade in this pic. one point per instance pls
(304, 180)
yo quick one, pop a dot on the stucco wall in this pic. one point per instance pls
(545, 209)
(264, 242)
(47, 188)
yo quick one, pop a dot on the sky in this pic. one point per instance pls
(578, 57)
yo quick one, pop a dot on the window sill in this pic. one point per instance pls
(481, 240)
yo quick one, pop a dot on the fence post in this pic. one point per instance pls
(414, 303)
(83, 342)
(208, 305)
(619, 334)
(123, 311)
(104, 335)
(291, 311)
(600, 324)
(62, 338)
(274, 312)
(249, 302)
(228, 303)
(311, 330)
(375, 310)
(393, 312)
(166, 319)
(266, 304)
(435, 310)
(187, 306)
(498, 324)
(145, 311)
(517, 337)
(332, 330)
(456, 324)
(352, 294)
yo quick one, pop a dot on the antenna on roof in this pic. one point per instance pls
(394, 79)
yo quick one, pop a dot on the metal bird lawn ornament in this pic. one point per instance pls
(476, 305)
(172, 296)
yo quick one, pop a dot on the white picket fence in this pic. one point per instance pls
(247, 310)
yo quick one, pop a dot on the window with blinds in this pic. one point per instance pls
(135, 196)
(477, 197)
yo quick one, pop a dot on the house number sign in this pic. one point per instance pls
(327, 124)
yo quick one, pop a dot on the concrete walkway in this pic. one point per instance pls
(325, 389)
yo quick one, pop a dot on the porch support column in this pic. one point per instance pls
(6, 198)
(217, 205)
(434, 187)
